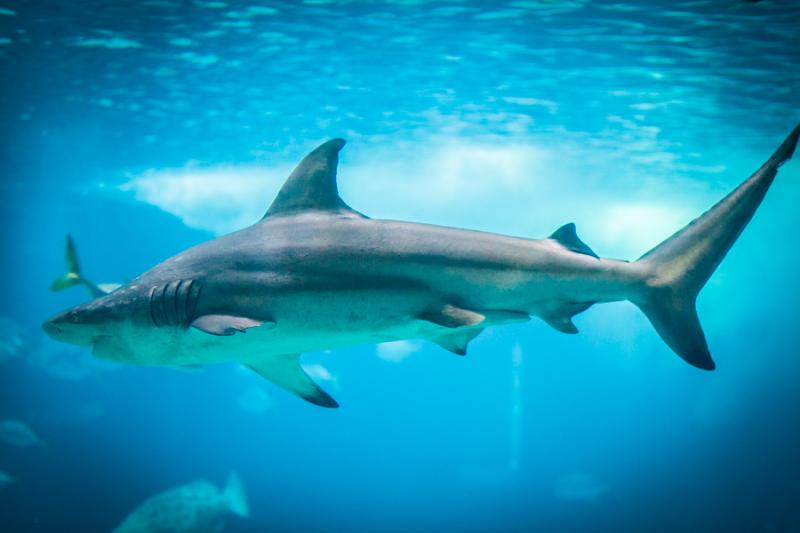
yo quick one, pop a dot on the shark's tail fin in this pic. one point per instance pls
(677, 269)
(73, 275)
(235, 497)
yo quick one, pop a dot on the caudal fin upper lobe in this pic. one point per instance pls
(677, 269)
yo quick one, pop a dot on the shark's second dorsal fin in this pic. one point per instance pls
(568, 237)
(312, 184)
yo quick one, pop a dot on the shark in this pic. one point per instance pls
(315, 274)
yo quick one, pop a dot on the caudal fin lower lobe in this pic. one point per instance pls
(678, 268)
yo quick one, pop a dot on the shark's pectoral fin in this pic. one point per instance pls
(285, 371)
(457, 341)
(226, 324)
(560, 317)
(450, 316)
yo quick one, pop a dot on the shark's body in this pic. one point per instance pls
(314, 274)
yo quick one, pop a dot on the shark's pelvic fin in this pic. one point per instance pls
(312, 185)
(285, 371)
(457, 341)
(567, 236)
(504, 316)
(560, 317)
(676, 270)
(226, 325)
(450, 316)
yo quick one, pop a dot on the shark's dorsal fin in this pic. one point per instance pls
(568, 237)
(312, 184)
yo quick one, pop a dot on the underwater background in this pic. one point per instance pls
(143, 128)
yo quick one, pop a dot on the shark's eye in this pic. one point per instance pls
(73, 317)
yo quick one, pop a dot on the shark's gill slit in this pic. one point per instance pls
(171, 303)
(170, 311)
(163, 302)
(180, 306)
(192, 297)
(153, 307)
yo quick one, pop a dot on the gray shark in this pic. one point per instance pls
(315, 274)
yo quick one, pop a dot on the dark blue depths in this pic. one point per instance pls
(142, 128)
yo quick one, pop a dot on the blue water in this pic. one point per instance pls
(142, 128)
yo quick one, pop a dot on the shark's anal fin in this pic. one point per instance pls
(450, 316)
(457, 341)
(564, 324)
(560, 317)
(567, 236)
(498, 317)
(285, 372)
(226, 325)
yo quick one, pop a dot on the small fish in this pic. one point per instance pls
(74, 277)
(195, 507)
(17, 433)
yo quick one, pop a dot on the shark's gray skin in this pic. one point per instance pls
(315, 274)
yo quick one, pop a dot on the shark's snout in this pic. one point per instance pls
(58, 323)
(51, 328)
(69, 326)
